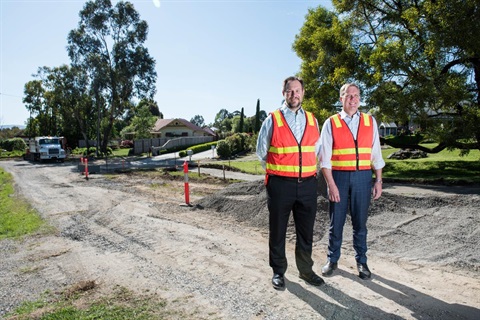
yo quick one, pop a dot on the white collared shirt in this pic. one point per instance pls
(296, 122)
(353, 122)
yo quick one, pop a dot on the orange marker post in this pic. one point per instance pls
(86, 168)
(185, 174)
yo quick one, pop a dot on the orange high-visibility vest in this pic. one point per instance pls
(288, 158)
(349, 154)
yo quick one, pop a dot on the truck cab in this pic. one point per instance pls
(45, 148)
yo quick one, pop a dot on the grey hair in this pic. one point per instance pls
(345, 87)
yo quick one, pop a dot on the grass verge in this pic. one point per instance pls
(82, 301)
(17, 218)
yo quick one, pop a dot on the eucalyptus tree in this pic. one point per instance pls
(414, 60)
(34, 99)
(143, 122)
(198, 121)
(149, 103)
(69, 89)
(109, 45)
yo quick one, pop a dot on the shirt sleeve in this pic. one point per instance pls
(326, 141)
(318, 144)
(377, 158)
(263, 141)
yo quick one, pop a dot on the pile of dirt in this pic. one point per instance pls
(429, 229)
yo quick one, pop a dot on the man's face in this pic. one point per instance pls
(293, 94)
(351, 100)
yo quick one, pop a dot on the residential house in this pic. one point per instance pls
(176, 128)
(387, 129)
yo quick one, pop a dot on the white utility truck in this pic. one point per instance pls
(45, 148)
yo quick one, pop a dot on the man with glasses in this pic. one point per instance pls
(288, 145)
(350, 150)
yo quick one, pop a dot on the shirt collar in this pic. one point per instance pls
(286, 110)
(343, 114)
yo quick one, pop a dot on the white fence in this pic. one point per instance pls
(147, 145)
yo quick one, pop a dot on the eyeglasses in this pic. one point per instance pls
(351, 96)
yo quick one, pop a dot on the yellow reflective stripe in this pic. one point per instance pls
(277, 167)
(278, 117)
(351, 151)
(364, 150)
(336, 120)
(310, 119)
(350, 163)
(308, 149)
(295, 149)
(283, 150)
(366, 120)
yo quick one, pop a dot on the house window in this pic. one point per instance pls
(184, 134)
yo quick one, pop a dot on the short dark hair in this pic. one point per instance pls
(292, 78)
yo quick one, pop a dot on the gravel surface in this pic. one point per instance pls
(210, 258)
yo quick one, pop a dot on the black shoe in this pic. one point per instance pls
(278, 281)
(327, 269)
(312, 279)
(363, 271)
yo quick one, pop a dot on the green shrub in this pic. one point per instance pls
(405, 139)
(93, 150)
(14, 144)
(198, 148)
(223, 149)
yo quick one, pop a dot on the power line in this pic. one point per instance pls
(9, 95)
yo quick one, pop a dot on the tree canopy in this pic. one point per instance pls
(108, 45)
(198, 121)
(417, 62)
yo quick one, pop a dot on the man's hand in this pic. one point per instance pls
(333, 194)
(377, 190)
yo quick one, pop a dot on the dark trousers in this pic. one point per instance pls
(355, 189)
(300, 198)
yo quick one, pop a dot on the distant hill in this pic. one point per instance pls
(9, 126)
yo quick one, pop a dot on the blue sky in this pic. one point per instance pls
(210, 55)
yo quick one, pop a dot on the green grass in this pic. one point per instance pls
(444, 167)
(248, 166)
(10, 154)
(83, 305)
(120, 152)
(445, 155)
(17, 218)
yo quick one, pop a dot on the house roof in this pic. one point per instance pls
(162, 123)
(387, 125)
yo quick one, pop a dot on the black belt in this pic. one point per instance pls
(299, 179)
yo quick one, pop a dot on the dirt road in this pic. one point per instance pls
(211, 260)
